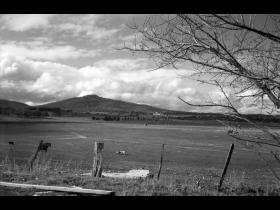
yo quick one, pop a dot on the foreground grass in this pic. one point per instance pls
(195, 182)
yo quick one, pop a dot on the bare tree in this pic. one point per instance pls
(236, 52)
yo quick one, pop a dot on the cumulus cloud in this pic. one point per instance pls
(36, 82)
(123, 64)
(84, 26)
(79, 26)
(23, 22)
(43, 51)
(31, 69)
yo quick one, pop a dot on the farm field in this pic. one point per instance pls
(185, 145)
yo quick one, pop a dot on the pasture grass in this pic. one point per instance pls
(194, 182)
(191, 171)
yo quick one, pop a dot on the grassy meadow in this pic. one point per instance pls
(194, 156)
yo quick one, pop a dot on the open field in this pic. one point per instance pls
(192, 153)
(186, 146)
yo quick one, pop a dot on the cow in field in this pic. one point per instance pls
(44, 146)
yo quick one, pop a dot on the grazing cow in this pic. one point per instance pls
(121, 152)
(11, 142)
(44, 146)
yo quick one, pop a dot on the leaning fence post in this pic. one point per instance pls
(35, 155)
(97, 159)
(161, 159)
(226, 166)
(11, 154)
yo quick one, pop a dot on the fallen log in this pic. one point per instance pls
(75, 190)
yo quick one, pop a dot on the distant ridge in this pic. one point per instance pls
(12, 104)
(94, 103)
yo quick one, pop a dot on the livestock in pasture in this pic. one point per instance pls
(44, 146)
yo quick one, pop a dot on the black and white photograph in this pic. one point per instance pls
(139, 105)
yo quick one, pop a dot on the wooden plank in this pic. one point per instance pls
(226, 166)
(161, 160)
(58, 189)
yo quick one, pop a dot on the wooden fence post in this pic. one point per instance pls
(97, 160)
(226, 166)
(161, 159)
(35, 155)
(11, 154)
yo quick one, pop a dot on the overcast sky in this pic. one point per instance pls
(45, 58)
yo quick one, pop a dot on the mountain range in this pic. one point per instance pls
(13, 104)
(89, 103)
(94, 103)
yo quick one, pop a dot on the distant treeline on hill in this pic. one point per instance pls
(167, 116)
(31, 112)
(218, 116)
(41, 112)
(8, 110)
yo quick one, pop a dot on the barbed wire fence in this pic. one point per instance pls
(123, 155)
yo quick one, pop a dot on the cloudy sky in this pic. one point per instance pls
(45, 58)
